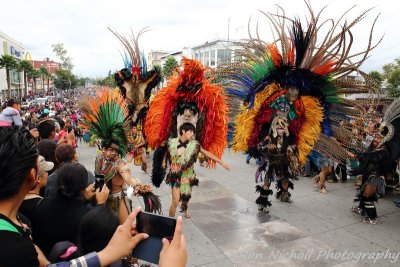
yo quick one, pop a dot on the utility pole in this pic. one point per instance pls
(229, 22)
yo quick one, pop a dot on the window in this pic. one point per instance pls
(14, 76)
(238, 57)
(223, 56)
(212, 58)
(202, 57)
(206, 58)
(197, 56)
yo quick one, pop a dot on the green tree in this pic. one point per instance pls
(64, 79)
(44, 75)
(158, 69)
(391, 72)
(169, 67)
(377, 77)
(109, 81)
(9, 63)
(62, 54)
(25, 66)
(34, 74)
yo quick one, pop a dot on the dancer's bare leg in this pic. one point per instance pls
(176, 194)
(130, 158)
(144, 162)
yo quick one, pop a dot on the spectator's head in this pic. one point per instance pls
(18, 162)
(33, 130)
(44, 116)
(71, 181)
(47, 148)
(62, 124)
(44, 168)
(96, 228)
(47, 129)
(65, 153)
(13, 103)
(64, 251)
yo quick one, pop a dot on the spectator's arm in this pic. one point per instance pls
(17, 120)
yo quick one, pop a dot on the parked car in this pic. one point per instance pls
(41, 100)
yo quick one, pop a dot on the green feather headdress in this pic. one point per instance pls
(105, 117)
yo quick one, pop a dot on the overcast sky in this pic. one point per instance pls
(82, 26)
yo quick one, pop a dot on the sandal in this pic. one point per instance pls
(357, 210)
(369, 221)
(322, 190)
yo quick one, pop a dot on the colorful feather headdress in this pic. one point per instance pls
(190, 88)
(104, 116)
(135, 81)
(313, 59)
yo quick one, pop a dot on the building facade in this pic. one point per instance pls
(154, 58)
(10, 46)
(217, 52)
(46, 84)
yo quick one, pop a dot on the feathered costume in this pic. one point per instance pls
(134, 81)
(297, 77)
(380, 162)
(190, 96)
(105, 116)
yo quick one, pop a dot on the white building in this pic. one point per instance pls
(10, 46)
(185, 52)
(217, 52)
(154, 58)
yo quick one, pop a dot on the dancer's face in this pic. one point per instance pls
(280, 131)
(187, 135)
(109, 153)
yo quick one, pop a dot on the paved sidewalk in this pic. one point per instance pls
(315, 230)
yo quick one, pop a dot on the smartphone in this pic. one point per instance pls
(157, 227)
(98, 181)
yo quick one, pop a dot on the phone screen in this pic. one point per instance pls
(99, 181)
(155, 225)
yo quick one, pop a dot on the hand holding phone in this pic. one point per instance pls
(175, 251)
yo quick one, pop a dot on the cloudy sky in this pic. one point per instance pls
(81, 25)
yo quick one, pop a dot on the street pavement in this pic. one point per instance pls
(226, 229)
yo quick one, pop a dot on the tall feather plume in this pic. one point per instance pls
(104, 116)
(131, 45)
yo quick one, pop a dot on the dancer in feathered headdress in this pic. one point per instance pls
(378, 162)
(105, 116)
(190, 106)
(294, 79)
(135, 83)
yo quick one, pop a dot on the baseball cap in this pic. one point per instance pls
(45, 165)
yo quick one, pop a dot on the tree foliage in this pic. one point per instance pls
(169, 67)
(25, 66)
(158, 69)
(391, 72)
(9, 63)
(64, 79)
(62, 54)
(106, 81)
